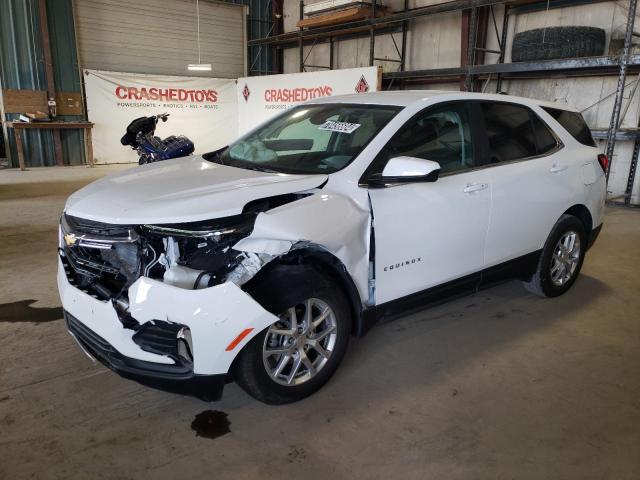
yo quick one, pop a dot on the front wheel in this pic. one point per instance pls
(297, 354)
(561, 258)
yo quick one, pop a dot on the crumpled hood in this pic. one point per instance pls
(180, 190)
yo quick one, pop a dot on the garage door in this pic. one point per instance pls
(159, 36)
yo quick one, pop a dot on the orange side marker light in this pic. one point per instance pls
(238, 339)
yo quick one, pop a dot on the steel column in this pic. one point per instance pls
(622, 76)
(632, 172)
(503, 44)
(48, 70)
(278, 28)
(331, 59)
(403, 47)
(372, 36)
(471, 49)
(300, 45)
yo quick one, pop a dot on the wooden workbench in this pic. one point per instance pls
(19, 126)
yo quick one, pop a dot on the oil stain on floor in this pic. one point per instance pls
(22, 311)
(211, 424)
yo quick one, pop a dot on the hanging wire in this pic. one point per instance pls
(601, 99)
(631, 95)
(198, 21)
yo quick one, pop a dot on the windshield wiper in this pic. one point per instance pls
(257, 169)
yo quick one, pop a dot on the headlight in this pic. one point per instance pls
(238, 225)
(204, 246)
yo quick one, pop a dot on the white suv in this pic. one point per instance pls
(257, 262)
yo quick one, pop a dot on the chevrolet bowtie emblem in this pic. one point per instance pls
(70, 239)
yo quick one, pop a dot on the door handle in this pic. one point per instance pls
(558, 168)
(475, 187)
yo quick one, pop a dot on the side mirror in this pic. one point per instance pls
(406, 170)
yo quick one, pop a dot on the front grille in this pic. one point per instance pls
(101, 259)
(88, 262)
(88, 272)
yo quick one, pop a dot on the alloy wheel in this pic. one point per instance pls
(565, 259)
(300, 343)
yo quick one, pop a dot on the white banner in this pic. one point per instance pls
(203, 109)
(259, 98)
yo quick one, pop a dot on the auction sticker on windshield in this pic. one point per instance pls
(341, 127)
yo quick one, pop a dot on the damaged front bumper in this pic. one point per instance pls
(172, 378)
(214, 317)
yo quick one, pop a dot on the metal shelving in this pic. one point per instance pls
(475, 22)
(584, 66)
(623, 61)
(291, 39)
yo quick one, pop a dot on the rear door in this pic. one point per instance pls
(530, 179)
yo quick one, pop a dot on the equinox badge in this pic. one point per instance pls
(403, 264)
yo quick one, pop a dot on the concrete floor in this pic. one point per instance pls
(496, 385)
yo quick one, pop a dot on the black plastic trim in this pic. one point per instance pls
(176, 378)
(593, 236)
(522, 267)
(431, 296)
(326, 263)
(159, 337)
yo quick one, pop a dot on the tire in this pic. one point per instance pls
(557, 42)
(278, 291)
(544, 282)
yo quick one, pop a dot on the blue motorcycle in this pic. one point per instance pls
(140, 136)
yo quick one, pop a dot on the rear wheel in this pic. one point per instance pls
(561, 258)
(297, 354)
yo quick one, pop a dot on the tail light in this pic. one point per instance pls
(603, 160)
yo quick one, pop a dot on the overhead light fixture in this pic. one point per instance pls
(199, 67)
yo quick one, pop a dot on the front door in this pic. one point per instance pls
(427, 234)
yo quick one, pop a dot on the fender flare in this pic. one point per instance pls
(327, 264)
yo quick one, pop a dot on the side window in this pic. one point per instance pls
(441, 134)
(545, 140)
(574, 124)
(509, 132)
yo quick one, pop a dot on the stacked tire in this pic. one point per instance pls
(557, 42)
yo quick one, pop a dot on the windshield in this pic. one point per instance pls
(309, 138)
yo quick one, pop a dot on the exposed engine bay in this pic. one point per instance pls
(104, 260)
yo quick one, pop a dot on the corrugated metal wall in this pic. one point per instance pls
(160, 36)
(22, 67)
(66, 72)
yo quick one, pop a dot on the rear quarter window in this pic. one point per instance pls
(574, 124)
